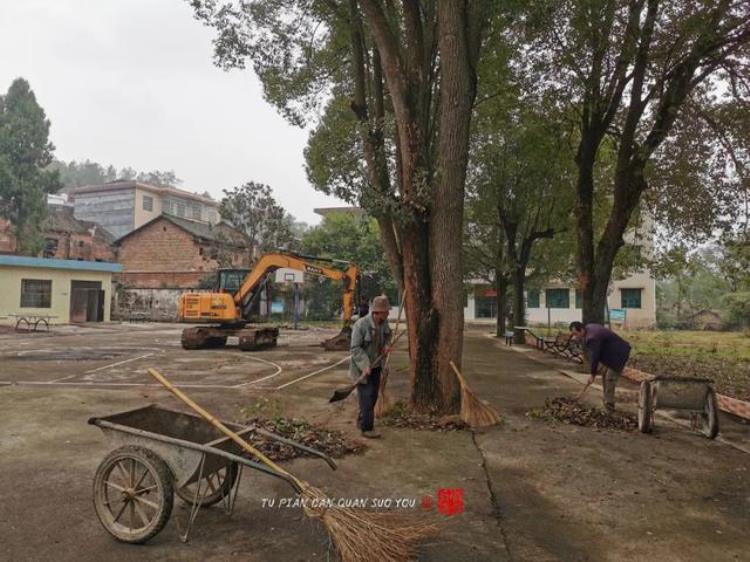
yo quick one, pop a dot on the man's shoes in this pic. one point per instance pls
(371, 434)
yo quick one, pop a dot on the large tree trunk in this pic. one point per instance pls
(421, 318)
(457, 92)
(431, 224)
(501, 298)
(593, 311)
(519, 302)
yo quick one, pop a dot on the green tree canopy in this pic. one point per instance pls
(252, 208)
(353, 238)
(25, 152)
(655, 80)
(86, 172)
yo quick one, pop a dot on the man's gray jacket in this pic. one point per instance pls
(363, 345)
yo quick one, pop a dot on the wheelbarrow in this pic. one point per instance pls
(160, 453)
(694, 395)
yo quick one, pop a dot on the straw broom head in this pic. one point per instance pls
(473, 411)
(367, 536)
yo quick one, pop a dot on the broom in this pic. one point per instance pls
(384, 404)
(473, 411)
(359, 536)
(342, 393)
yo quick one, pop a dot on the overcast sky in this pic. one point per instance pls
(131, 83)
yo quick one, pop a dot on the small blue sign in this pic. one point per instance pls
(617, 314)
(277, 307)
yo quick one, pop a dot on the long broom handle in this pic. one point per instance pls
(398, 320)
(379, 358)
(461, 379)
(220, 426)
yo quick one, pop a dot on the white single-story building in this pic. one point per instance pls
(63, 290)
(631, 301)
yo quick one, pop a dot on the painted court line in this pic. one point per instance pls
(313, 373)
(107, 384)
(278, 371)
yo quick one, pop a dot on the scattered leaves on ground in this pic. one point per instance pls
(331, 442)
(400, 416)
(568, 410)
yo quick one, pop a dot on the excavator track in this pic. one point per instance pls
(250, 339)
(340, 342)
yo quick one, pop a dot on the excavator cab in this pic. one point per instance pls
(230, 280)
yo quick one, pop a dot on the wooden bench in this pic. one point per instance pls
(565, 346)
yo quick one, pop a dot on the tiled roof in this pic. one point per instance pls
(60, 219)
(221, 232)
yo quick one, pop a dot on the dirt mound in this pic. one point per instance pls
(333, 443)
(568, 410)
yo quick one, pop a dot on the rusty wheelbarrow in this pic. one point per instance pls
(694, 395)
(160, 453)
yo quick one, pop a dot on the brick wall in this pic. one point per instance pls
(162, 254)
(7, 239)
(77, 246)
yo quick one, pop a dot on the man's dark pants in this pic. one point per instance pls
(368, 395)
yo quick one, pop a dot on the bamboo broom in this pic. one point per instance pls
(473, 411)
(358, 535)
(384, 404)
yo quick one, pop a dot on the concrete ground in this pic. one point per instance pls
(532, 490)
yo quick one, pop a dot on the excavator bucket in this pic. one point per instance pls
(339, 342)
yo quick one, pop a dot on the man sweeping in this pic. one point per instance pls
(370, 338)
(606, 347)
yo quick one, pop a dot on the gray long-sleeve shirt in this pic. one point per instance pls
(363, 345)
(606, 347)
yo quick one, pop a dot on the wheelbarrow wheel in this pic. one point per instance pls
(214, 487)
(710, 415)
(645, 408)
(133, 494)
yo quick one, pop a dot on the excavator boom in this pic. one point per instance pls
(230, 313)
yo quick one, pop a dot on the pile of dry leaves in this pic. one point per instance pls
(399, 416)
(333, 443)
(568, 410)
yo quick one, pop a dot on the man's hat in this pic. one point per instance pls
(381, 304)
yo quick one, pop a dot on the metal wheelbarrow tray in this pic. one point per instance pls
(162, 452)
(694, 395)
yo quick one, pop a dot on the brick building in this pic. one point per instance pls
(65, 237)
(68, 238)
(7, 240)
(170, 252)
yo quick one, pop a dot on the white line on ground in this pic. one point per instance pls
(279, 370)
(106, 384)
(313, 373)
(120, 363)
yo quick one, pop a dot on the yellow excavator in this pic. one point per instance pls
(227, 311)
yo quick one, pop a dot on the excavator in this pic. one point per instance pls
(227, 310)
